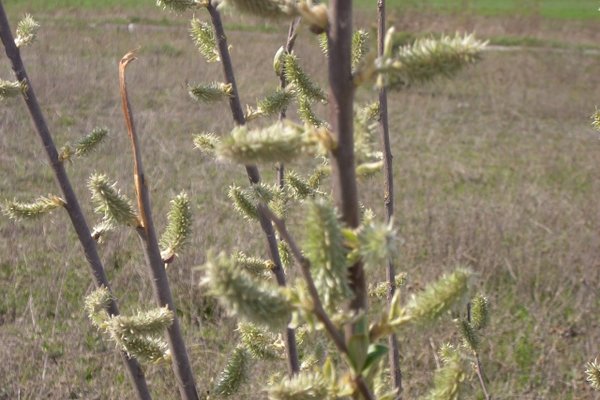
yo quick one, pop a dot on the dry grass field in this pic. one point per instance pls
(496, 170)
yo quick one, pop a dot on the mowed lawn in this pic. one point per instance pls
(496, 170)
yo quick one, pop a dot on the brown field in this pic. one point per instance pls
(496, 170)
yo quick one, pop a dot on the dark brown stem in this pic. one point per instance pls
(388, 182)
(343, 175)
(336, 336)
(72, 204)
(254, 177)
(147, 233)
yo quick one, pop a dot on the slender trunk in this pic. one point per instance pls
(254, 177)
(158, 273)
(388, 182)
(72, 204)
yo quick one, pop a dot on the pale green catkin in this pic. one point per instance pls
(324, 247)
(261, 344)
(302, 386)
(10, 89)
(177, 5)
(43, 205)
(276, 143)
(480, 312)
(27, 30)
(448, 382)
(428, 58)
(109, 201)
(211, 93)
(592, 372)
(203, 36)
(253, 300)
(242, 203)
(234, 374)
(179, 226)
(439, 296)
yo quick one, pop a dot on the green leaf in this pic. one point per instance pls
(375, 353)
(358, 347)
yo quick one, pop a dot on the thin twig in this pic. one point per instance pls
(289, 45)
(480, 376)
(72, 203)
(254, 176)
(388, 182)
(160, 282)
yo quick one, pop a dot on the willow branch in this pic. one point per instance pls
(289, 45)
(160, 282)
(253, 175)
(72, 203)
(388, 182)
